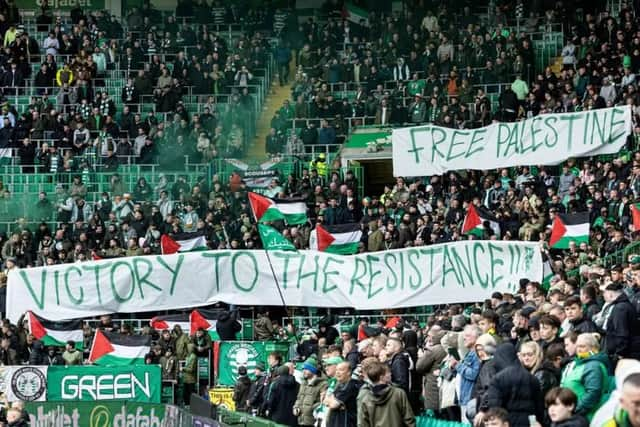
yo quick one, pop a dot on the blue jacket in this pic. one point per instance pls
(327, 135)
(468, 369)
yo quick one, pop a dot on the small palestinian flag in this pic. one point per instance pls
(354, 14)
(336, 239)
(272, 240)
(55, 333)
(476, 219)
(112, 348)
(635, 213)
(568, 228)
(160, 323)
(204, 319)
(267, 210)
(182, 242)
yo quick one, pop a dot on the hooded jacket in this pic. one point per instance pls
(384, 405)
(514, 389)
(620, 341)
(282, 396)
(588, 378)
(227, 326)
(241, 392)
(426, 366)
(309, 398)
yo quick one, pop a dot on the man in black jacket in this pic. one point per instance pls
(579, 323)
(399, 362)
(513, 388)
(621, 338)
(282, 396)
(227, 326)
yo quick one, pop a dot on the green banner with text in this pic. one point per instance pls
(59, 5)
(137, 383)
(104, 414)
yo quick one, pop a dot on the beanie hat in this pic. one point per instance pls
(335, 360)
(242, 370)
(311, 365)
(488, 343)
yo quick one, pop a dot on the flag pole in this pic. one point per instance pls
(275, 277)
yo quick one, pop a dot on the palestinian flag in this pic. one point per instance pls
(112, 348)
(476, 219)
(207, 320)
(55, 333)
(272, 240)
(204, 319)
(160, 323)
(635, 212)
(266, 210)
(568, 228)
(182, 242)
(336, 239)
(353, 13)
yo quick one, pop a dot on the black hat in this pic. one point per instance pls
(496, 295)
(527, 311)
(617, 268)
(615, 286)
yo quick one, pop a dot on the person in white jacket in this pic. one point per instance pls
(608, 91)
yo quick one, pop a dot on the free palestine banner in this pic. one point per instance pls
(438, 274)
(542, 140)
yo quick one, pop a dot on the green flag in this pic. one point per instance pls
(272, 240)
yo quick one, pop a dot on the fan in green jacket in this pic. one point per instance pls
(588, 376)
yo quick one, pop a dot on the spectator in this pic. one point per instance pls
(513, 388)
(310, 393)
(71, 355)
(382, 404)
(282, 397)
(241, 390)
(343, 400)
(588, 376)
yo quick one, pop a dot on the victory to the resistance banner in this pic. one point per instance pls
(438, 274)
(542, 140)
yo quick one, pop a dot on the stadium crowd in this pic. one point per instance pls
(564, 353)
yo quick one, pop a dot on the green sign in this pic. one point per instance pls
(138, 383)
(57, 5)
(233, 354)
(105, 414)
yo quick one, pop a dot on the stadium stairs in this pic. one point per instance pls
(277, 95)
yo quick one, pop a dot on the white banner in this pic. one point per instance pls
(542, 140)
(447, 273)
(25, 383)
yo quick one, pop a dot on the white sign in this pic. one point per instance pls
(439, 274)
(542, 140)
(24, 383)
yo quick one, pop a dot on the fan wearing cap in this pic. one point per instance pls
(310, 393)
(258, 388)
(241, 390)
(330, 363)
(621, 340)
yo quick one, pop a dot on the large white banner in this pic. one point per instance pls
(542, 140)
(447, 273)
